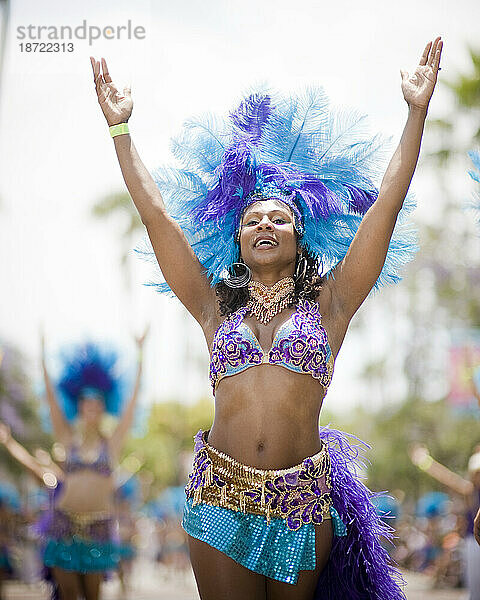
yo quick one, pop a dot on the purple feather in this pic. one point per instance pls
(251, 115)
(235, 175)
(319, 199)
(358, 567)
(361, 200)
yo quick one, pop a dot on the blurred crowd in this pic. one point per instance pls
(430, 536)
(150, 531)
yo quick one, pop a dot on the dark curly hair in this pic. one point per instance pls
(307, 286)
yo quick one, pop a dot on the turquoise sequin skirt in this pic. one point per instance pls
(81, 556)
(270, 549)
(79, 542)
(263, 519)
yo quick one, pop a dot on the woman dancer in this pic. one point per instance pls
(78, 531)
(261, 201)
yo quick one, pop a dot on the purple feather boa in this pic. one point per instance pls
(358, 568)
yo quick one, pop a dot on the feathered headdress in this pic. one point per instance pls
(90, 370)
(298, 149)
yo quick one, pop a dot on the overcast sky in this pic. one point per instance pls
(60, 266)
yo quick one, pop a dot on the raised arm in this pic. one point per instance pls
(357, 273)
(23, 456)
(420, 457)
(118, 437)
(61, 428)
(182, 270)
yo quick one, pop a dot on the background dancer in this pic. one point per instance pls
(469, 490)
(80, 546)
(262, 203)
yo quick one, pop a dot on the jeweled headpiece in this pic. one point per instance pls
(268, 192)
(315, 159)
(90, 371)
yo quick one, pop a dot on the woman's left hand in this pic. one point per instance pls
(418, 88)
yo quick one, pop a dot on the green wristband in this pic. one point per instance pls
(119, 129)
(426, 463)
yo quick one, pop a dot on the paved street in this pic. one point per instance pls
(149, 583)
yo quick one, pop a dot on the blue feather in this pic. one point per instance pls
(90, 366)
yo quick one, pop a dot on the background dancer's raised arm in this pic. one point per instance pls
(62, 429)
(119, 435)
(32, 464)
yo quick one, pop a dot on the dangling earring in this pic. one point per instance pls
(301, 268)
(241, 278)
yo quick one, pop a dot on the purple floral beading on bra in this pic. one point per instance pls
(100, 465)
(300, 345)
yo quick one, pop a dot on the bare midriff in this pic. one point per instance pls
(267, 417)
(86, 491)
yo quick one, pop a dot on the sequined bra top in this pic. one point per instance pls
(300, 345)
(100, 465)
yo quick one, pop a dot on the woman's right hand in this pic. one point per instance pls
(116, 107)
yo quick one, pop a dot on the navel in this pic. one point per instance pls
(260, 446)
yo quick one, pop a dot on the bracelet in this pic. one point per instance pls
(426, 463)
(119, 129)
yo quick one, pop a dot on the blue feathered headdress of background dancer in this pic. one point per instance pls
(297, 149)
(89, 370)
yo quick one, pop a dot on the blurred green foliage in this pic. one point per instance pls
(391, 432)
(168, 442)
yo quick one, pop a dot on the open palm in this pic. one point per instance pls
(418, 88)
(116, 107)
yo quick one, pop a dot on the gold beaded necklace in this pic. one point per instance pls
(266, 302)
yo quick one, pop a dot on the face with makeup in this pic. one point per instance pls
(268, 239)
(91, 408)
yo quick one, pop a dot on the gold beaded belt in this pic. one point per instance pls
(299, 494)
(83, 519)
(94, 525)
